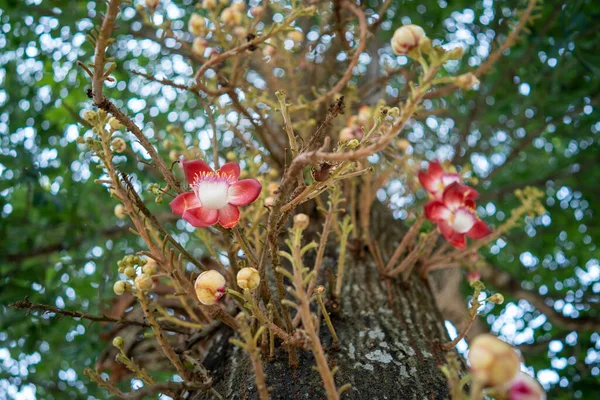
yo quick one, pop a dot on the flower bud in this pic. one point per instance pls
(248, 278)
(230, 156)
(120, 211)
(209, 4)
(496, 298)
(524, 387)
(269, 201)
(129, 272)
(240, 32)
(150, 267)
(466, 81)
(199, 46)
(456, 53)
(473, 276)
(115, 124)
(347, 134)
(143, 282)
(365, 116)
(296, 36)
(196, 24)
(210, 287)
(320, 289)
(493, 362)
(231, 16)
(406, 37)
(239, 7)
(118, 342)
(257, 11)
(173, 155)
(118, 145)
(301, 221)
(90, 116)
(119, 287)
(403, 144)
(269, 51)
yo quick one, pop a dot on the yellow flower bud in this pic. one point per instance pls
(296, 36)
(120, 211)
(119, 287)
(354, 143)
(248, 278)
(240, 7)
(199, 46)
(231, 16)
(230, 156)
(496, 298)
(210, 287)
(493, 362)
(301, 221)
(209, 4)
(197, 24)
(150, 267)
(257, 11)
(403, 144)
(118, 145)
(143, 282)
(90, 116)
(129, 272)
(115, 124)
(466, 81)
(240, 32)
(118, 342)
(406, 37)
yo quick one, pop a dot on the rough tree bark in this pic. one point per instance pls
(389, 334)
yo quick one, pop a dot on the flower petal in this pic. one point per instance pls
(431, 179)
(436, 211)
(454, 238)
(201, 217)
(229, 216)
(479, 230)
(450, 178)
(194, 168)
(183, 202)
(464, 219)
(243, 192)
(457, 194)
(231, 168)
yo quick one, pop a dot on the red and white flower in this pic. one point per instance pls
(524, 387)
(436, 179)
(455, 215)
(215, 196)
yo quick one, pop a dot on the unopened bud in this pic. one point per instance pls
(347, 134)
(403, 145)
(143, 282)
(119, 287)
(209, 4)
(320, 289)
(118, 145)
(118, 342)
(150, 267)
(231, 16)
(129, 272)
(120, 211)
(496, 298)
(173, 155)
(257, 11)
(269, 51)
(524, 387)
(473, 276)
(197, 24)
(199, 46)
(210, 287)
(296, 36)
(456, 53)
(301, 221)
(90, 116)
(269, 201)
(493, 362)
(115, 124)
(248, 278)
(240, 7)
(231, 156)
(466, 81)
(240, 32)
(406, 37)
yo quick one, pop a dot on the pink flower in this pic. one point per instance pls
(456, 216)
(215, 196)
(524, 387)
(435, 180)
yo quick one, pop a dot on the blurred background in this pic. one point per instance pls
(534, 120)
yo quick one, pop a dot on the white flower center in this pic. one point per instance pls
(463, 221)
(212, 195)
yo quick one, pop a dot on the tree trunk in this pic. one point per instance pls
(389, 335)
